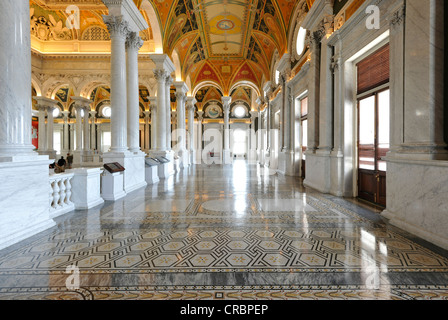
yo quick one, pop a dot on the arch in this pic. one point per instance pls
(176, 60)
(155, 25)
(296, 21)
(274, 64)
(52, 86)
(188, 82)
(246, 83)
(87, 87)
(206, 83)
(36, 86)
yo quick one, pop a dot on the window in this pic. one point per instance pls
(239, 112)
(57, 141)
(300, 46)
(56, 112)
(106, 112)
(106, 141)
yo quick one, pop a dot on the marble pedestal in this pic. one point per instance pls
(165, 170)
(51, 154)
(86, 188)
(177, 165)
(152, 174)
(112, 186)
(134, 165)
(184, 159)
(226, 157)
(24, 198)
(281, 163)
(252, 157)
(417, 198)
(77, 157)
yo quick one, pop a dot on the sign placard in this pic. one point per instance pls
(113, 167)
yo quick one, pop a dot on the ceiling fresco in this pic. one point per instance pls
(225, 41)
(222, 42)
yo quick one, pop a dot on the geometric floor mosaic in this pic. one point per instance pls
(211, 234)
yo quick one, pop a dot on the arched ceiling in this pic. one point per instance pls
(214, 41)
(225, 41)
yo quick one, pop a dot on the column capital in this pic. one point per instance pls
(134, 42)
(181, 87)
(169, 80)
(226, 101)
(117, 26)
(163, 62)
(81, 102)
(45, 103)
(191, 102)
(160, 75)
(181, 97)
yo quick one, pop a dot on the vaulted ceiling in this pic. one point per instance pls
(225, 41)
(221, 42)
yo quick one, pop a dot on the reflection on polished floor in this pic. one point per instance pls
(233, 232)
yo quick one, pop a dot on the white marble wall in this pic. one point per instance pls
(417, 198)
(24, 200)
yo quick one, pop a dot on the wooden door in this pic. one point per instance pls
(373, 144)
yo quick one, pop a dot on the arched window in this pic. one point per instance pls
(300, 45)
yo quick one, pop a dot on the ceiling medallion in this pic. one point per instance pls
(225, 25)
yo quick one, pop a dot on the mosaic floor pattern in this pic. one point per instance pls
(225, 233)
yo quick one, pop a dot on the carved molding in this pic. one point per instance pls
(117, 26)
(134, 42)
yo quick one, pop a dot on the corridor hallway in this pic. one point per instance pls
(225, 232)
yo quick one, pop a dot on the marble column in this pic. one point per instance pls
(337, 155)
(313, 93)
(252, 152)
(46, 105)
(50, 131)
(147, 131)
(163, 69)
(153, 108)
(15, 110)
(181, 98)
(66, 130)
(227, 158)
(93, 144)
(81, 105)
(260, 132)
(161, 114)
(199, 137)
(24, 205)
(119, 31)
(124, 22)
(169, 82)
(86, 131)
(133, 45)
(423, 80)
(267, 89)
(417, 170)
(42, 138)
(78, 128)
(190, 108)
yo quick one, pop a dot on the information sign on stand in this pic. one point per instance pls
(113, 167)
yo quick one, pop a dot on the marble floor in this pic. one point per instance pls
(232, 232)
